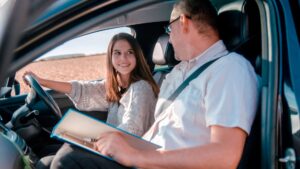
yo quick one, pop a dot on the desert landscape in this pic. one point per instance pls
(79, 68)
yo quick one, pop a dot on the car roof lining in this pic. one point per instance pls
(68, 32)
(137, 13)
(159, 12)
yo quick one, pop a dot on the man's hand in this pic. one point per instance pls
(114, 145)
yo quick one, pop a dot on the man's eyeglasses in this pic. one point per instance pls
(168, 27)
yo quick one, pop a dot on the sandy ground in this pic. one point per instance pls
(82, 68)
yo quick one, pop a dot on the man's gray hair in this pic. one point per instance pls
(202, 12)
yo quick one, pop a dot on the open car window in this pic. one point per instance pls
(82, 58)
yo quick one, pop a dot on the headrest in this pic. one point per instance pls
(239, 27)
(233, 27)
(163, 53)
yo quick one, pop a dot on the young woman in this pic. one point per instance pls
(128, 93)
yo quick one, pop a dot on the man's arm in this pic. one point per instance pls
(224, 151)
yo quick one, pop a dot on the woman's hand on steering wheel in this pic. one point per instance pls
(33, 81)
(37, 78)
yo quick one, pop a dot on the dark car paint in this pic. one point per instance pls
(291, 42)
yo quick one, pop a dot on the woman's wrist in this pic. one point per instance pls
(41, 81)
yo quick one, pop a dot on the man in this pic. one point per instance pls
(207, 124)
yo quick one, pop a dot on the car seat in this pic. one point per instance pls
(239, 27)
(163, 58)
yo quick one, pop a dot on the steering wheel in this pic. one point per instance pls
(38, 90)
(33, 96)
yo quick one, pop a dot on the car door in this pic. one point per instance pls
(289, 135)
(281, 124)
(280, 90)
(15, 16)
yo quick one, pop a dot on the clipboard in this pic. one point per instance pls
(82, 130)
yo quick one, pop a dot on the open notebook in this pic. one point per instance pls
(82, 130)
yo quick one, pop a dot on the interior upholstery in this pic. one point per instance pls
(239, 27)
(163, 55)
(11, 156)
(240, 30)
(234, 31)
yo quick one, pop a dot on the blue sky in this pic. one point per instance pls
(89, 44)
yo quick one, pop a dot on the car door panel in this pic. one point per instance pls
(9, 105)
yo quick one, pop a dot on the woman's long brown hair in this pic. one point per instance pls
(140, 72)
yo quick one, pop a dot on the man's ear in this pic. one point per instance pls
(185, 23)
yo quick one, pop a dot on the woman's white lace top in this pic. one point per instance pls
(133, 113)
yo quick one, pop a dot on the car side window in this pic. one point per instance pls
(82, 58)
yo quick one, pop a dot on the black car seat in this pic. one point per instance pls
(163, 58)
(239, 27)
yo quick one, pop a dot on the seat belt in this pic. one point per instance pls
(185, 83)
(171, 98)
